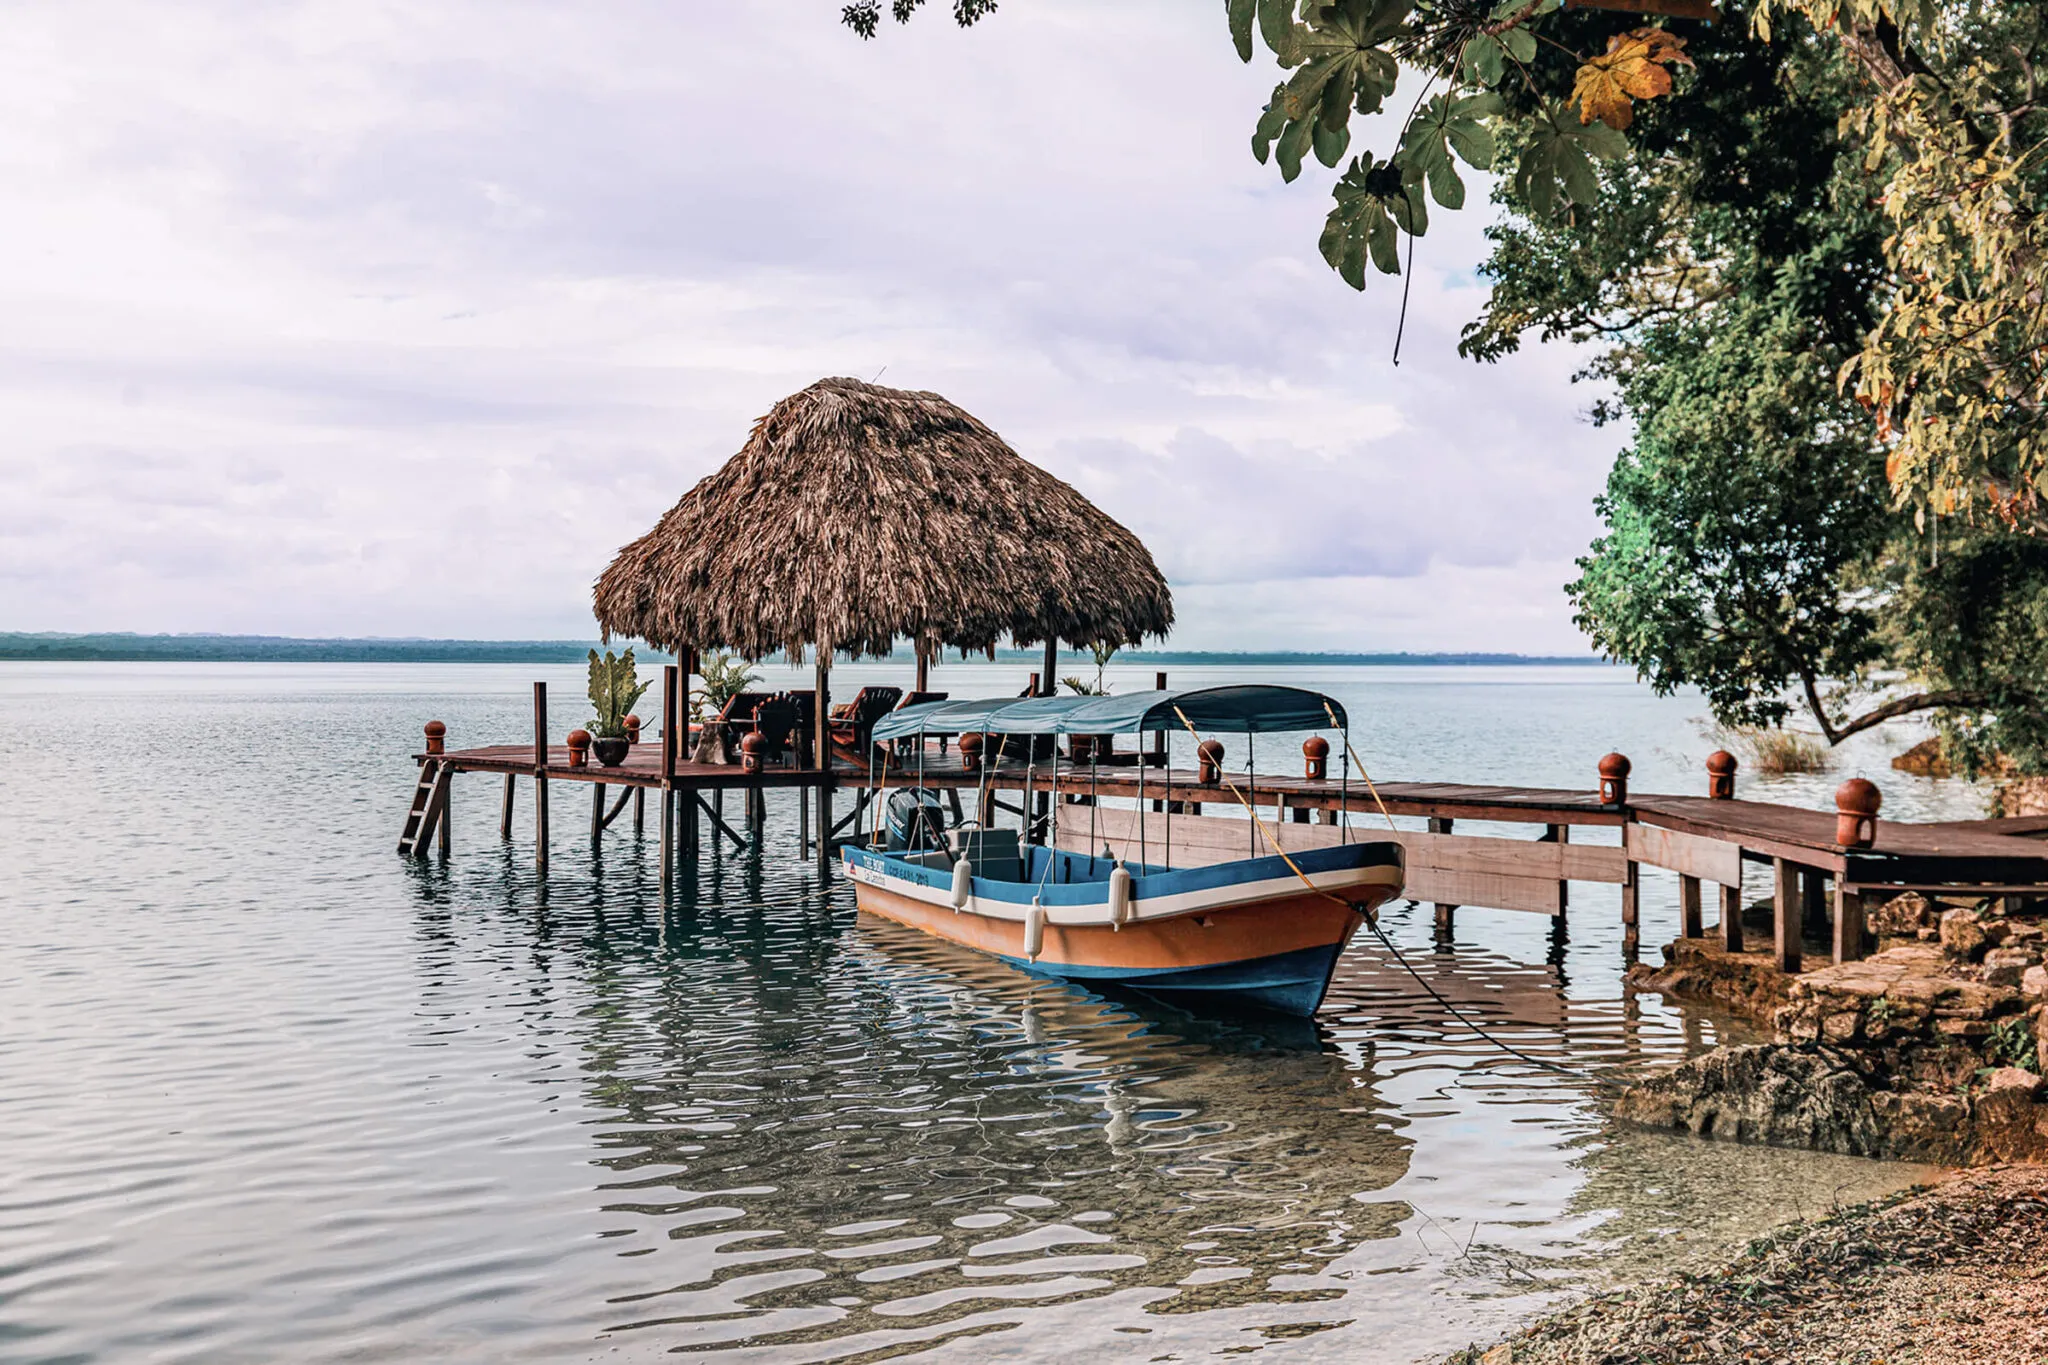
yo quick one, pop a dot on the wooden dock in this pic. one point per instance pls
(1828, 867)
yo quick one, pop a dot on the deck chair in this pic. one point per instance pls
(775, 720)
(851, 727)
(915, 699)
(804, 727)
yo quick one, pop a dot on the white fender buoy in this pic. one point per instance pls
(1119, 896)
(1034, 930)
(963, 883)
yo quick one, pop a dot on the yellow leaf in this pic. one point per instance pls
(1636, 66)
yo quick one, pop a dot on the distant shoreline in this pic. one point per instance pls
(114, 647)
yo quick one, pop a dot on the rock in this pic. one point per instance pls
(1963, 936)
(1700, 969)
(2014, 1078)
(2022, 796)
(2034, 983)
(1788, 1096)
(1503, 1354)
(1903, 916)
(1925, 759)
(2009, 966)
(1841, 1027)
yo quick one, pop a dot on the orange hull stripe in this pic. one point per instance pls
(1234, 935)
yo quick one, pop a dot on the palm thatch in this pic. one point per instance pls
(856, 516)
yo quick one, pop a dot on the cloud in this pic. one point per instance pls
(399, 319)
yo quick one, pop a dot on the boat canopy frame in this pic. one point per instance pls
(1244, 708)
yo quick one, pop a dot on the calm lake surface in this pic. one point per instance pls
(269, 1092)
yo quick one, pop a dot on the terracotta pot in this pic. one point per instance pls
(611, 752)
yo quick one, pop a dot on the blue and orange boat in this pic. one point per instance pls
(1261, 931)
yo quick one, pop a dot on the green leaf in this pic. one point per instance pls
(1385, 246)
(1276, 26)
(1577, 173)
(1271, 124)
(1485, 59)
(1445, 187)
(1329, 146)
(1242, 13)
(1472, 143)
(1292, 144)
(1520, 44)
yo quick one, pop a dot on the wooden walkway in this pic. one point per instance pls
(1822, 887)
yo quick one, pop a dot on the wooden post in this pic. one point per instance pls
(1560, 834)
(1445, 914)
(1631, 909)
(505, 809)
(447, 788)
(1049, 686)
(596, 812)
(824, 746)
(1731, 918)
(1691, 922)
(924, 669)
(1159, 736)
(540, 776)
(668, 774)
(639, 811)
(1813, 903)
(1785, 913)
(1848, 923)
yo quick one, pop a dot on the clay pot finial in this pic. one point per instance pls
(437, 737)
(1856, 803)
(579, 748)
(632, 729)
(1614, 779)
(1315, 753)
(970, 750)
(1721, 775)
(752, 745)
(1210, 752)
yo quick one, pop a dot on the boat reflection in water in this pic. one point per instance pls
(952, 1141)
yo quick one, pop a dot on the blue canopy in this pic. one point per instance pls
(1255, 708)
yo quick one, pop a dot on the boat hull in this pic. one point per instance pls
(1268, 943)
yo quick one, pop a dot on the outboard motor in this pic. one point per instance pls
(915, 820)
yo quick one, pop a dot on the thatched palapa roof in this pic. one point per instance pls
(856, 516)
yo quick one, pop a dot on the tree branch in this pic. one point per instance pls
(1891, 710)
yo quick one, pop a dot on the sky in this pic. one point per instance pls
(399, 319)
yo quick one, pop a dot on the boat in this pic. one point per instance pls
(1261, 932)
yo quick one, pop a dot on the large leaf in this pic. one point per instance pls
(1636, 66)
(1558, 156)
(1341, 64)
(1242, 13)
(1374, 203)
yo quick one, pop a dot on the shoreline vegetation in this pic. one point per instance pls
(123, 647)
(1955, 1273)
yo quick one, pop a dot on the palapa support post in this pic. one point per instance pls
(824, 754)
(505, 809)
(668, 774)
(1050, 684)
(1785, 914)
(1731, 918)
(1721, 775)
(540, 777)
(1159, 736)
(1691, 916)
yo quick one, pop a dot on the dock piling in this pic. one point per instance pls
(1692, 921)
(1731, 918)
(505, 809)
(1785, 914)
(540, 777)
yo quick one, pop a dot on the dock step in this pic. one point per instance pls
(429, 808)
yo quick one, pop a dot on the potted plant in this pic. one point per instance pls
(725, 677)
(615, 688)
(1087, 748)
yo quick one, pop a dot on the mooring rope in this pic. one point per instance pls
(1372, 919)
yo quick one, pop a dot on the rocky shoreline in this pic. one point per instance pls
(1930, 1050)
(1953, 1274)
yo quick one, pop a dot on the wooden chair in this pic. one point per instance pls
(803, 729)
(775, 720)
(916, 699)
(852, 726)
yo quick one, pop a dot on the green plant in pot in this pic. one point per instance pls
(725, 677)
(615, 689)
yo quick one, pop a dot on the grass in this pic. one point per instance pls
(1781, 751)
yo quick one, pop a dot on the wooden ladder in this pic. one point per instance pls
(429, 808)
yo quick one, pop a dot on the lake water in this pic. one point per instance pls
(270, 1092)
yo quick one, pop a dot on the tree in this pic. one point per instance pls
(1953, 140)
